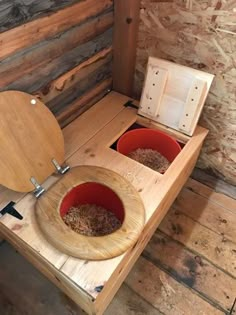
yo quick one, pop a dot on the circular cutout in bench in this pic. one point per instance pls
(92, 209)
(111, 191)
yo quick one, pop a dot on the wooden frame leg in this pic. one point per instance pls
(126, 23)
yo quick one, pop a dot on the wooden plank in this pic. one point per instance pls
(40, 298)
(79, 131)
(219, 185)
(126, 22)
(193, 270)
(164, 292)
(48, 299)
(152, 124)
(83, 103)
(216, 248)
(41, 78)
(86, 79)
(156, 80)
(193, 105)
(28, 34)
(216, 218)
(69, 288)
(209, 193)
(127, 302)
(149, 123)
(67, 79)
(6, 306)
(39, 56)
(16, 12)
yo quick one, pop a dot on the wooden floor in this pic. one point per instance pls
(188, 267)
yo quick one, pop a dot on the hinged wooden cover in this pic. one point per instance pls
(174, 95)
(30, 138)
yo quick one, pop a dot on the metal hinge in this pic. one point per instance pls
(11, 210)
(60, 169)
(130, 104)
(39, 190)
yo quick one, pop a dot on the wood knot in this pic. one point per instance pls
(129, 20)
(16, 227)
(99, 288)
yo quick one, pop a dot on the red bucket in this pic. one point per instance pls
(93, 193)
(144, 138)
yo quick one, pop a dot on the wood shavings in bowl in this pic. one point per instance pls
(91, 220)
(150, 158)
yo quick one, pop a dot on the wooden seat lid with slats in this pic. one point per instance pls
(30, 138)
(174, 95)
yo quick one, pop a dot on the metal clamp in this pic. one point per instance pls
(60, 169)
(39, 190)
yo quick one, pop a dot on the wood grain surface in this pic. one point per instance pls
(26, 35)
(91, 247)
(17, 12)
(168, 279)
(41, 77)
(73, 35)
(86, 78)
(30, 139)
(126, 22)
(40, 56)
(88, 143)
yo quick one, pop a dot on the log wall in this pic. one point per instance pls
(57, 50)
(202, 35)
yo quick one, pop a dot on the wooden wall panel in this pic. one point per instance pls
(32, 81)
(202, 35)
(86, 79)
(51, 25)
(38, 56)
(17, 12)
(58, 50)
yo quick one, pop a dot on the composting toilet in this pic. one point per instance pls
(32, 149)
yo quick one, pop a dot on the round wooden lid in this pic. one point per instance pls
(30, 137)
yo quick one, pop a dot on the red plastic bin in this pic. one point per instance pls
(144, 138)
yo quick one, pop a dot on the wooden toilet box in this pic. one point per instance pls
(33, 149)
(172, 100)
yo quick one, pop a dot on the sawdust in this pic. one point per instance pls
(150, 158)
(91, 220)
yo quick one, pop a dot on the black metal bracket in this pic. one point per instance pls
(11, 210)
(130, 104)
